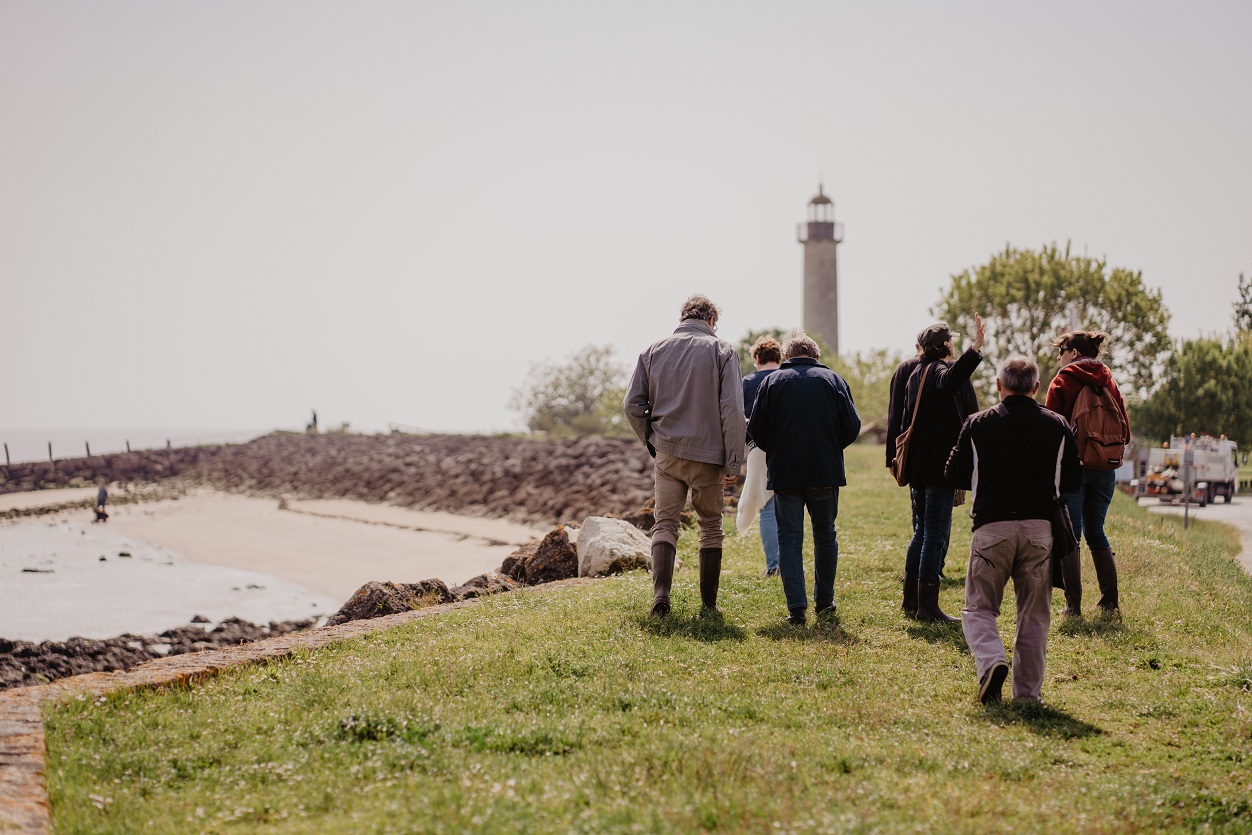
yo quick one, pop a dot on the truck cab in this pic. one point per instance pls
(1210, 464)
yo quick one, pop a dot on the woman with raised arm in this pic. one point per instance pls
(942, 380)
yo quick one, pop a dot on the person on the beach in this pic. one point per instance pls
(102, 496)
(1017, 457)
(757, 498)
(685, 402)
(804, 417)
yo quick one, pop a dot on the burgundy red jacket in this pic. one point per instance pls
(1069, 381)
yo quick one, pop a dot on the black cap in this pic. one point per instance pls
(935, 335)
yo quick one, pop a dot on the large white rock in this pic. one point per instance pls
(611, 546)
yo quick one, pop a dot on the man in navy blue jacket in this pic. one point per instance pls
(804, 417)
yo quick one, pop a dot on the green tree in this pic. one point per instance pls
(1028, 297)
(1206, 388)
(1243, 307)
(582, 396)
(869, 376)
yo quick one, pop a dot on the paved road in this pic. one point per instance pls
(1237, 513)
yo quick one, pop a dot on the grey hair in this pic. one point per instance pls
(699, 307)
(1018, 375)
(800, 345)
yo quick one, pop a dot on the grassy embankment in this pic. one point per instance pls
(573, 711)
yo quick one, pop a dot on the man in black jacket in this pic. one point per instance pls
(804, 417)
(1016, 457)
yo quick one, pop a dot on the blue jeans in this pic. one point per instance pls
(944, 560)
(932, 508)
(769, 535)
(1089, 504)
(823, 507)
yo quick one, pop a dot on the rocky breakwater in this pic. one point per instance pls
(24, 663)
(536, 481)
(144, 466)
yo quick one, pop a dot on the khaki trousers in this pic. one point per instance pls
(674, 478)
(1020, 550)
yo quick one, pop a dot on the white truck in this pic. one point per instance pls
(1214, 469)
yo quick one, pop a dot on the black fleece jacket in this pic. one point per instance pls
(1016, 457)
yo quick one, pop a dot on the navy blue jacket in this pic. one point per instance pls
(803, 418)
(751, 383)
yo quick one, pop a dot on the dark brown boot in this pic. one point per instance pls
(909, 606)
(1106, 573)
(710, 576)
(662, 576)
(1071, 573)
(928, 604)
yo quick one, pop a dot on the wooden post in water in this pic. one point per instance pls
(50, 458)
(88, 445)
(128, 446)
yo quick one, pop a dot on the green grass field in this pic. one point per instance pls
(573, 711)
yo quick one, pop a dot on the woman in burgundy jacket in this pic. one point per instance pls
(1089, 504)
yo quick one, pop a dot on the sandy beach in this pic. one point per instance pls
(221, 555)
(46, 498)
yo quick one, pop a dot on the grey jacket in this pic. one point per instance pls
(685, 398)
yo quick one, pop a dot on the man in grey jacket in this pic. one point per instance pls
(685, 402)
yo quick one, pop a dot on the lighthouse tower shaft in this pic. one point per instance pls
(821, 237)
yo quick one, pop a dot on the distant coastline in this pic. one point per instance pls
(31, 445)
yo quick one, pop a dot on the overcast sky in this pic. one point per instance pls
(224, 214)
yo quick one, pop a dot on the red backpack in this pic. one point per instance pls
(1099, 428)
